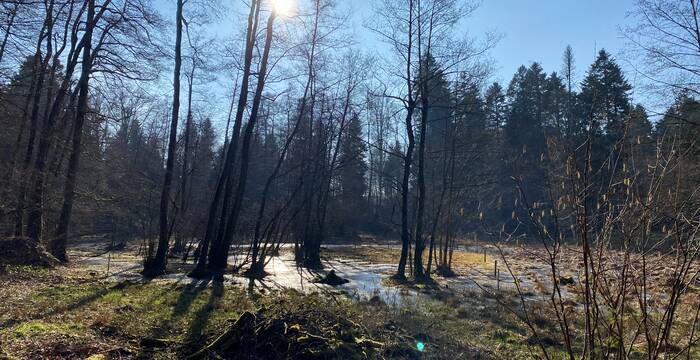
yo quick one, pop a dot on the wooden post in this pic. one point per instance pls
(498, 280)
(109, 254)
(495, 268)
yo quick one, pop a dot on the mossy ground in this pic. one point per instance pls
(71, 312)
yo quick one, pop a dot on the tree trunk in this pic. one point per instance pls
(179, 246)
(218, 256)
(35, 216)
(156, 266)
(408, 158)
(57, 246)
(40, 67)
(258, 261)
(213, 234)
(405, 232)
(418, 270)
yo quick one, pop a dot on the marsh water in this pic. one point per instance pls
(367, 280)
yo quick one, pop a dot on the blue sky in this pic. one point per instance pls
(540, 30)
(532, 30)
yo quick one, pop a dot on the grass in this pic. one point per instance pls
(108, 315)
(38, 328)
(68, 312)
(390, 255)
(71, 315)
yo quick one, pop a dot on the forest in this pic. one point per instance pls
(259, 179)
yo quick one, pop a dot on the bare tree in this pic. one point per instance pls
(218, 211)
(111, 34)
(398, 29)
(629, 225)
(262, 249)
(11, 14)
(58, 244)
(156, 266)
(417, 31)
(667, 37)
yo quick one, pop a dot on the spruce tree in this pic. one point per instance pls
(495, 106)
(351, 173)
(604, 99)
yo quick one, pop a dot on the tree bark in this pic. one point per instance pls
(179, 246)
(39, 71)
(213, 234)
(156, 266)
(35, 216)
(408, 158)
(57, 246)
(218, 256)
(418, 270)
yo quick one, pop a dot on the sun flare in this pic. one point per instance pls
(283, 7)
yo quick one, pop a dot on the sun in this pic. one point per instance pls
(283, 7)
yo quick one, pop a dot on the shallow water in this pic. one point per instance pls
(367, 280)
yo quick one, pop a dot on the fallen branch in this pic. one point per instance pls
(245, 319)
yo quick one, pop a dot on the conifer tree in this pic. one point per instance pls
(352, 170)
(604, 99)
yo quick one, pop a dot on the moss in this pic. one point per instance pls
(117, 298)
(186, 316)
(40, 328)
(72, 304)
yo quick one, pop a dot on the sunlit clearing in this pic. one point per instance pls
(283, 7)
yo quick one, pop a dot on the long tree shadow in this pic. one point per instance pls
(160, 334)
(188, 295)
(201, 317)
(81, 302)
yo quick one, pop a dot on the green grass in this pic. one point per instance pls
(68, 313)
(38, 328)
(94, 310)
(88, 317)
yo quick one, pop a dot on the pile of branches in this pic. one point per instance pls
(290, 331)
(24, 251)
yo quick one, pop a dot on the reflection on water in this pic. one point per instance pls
(367, 280)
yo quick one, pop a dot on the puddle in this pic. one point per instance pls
(366, 279)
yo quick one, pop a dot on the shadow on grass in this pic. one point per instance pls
(197, 319)
(201, 317)
(187, 296)
(81, 302)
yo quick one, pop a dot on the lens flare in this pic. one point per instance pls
(420, 346)
(283, 7)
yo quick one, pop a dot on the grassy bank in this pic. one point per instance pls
(70, 313)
